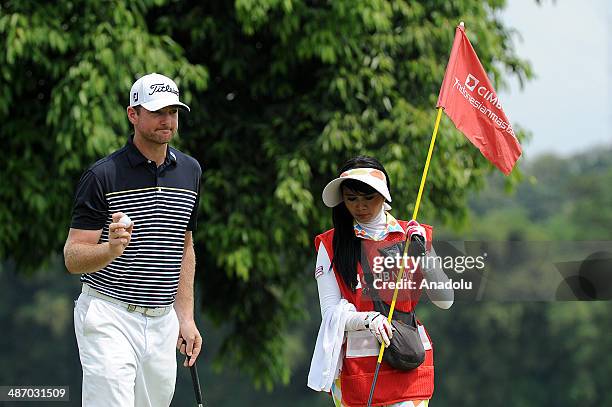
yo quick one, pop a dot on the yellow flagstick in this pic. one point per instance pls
(401, 272)
(426, 169)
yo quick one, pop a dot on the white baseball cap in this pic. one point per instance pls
(332, 194)
(155, 91)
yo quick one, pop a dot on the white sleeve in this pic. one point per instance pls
(329, 291)
(442, 298)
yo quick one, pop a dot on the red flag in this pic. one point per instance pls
(470, 101)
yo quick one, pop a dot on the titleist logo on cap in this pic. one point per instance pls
(161, 87)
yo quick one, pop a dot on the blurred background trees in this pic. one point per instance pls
(282, 93)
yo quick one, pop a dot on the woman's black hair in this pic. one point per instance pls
(347, 246)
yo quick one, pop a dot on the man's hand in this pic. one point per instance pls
(118, 235)
(84, 254)
(189, 342)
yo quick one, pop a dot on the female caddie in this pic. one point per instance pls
(351, 331)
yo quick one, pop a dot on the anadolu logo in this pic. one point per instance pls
(471, 83)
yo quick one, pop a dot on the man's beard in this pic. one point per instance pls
(159, 139)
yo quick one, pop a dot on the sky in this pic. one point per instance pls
(568, 106)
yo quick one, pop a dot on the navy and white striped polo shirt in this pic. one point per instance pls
(161, 201)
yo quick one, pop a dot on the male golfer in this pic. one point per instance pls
(137, 299)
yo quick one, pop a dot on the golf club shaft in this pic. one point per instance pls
(373, 384)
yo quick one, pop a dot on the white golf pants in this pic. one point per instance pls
(128, 359)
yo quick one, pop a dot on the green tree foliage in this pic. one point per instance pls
(282, 93)
(562, 199)
(532, 353)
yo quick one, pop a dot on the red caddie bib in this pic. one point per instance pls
(358, 372)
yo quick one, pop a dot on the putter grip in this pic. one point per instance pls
(416, 247)
(195, 379)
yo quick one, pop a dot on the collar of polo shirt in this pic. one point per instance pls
(135, 157)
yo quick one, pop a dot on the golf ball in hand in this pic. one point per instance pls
(126, 221)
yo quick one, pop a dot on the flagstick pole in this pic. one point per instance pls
(426, 169)
(401, 272)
